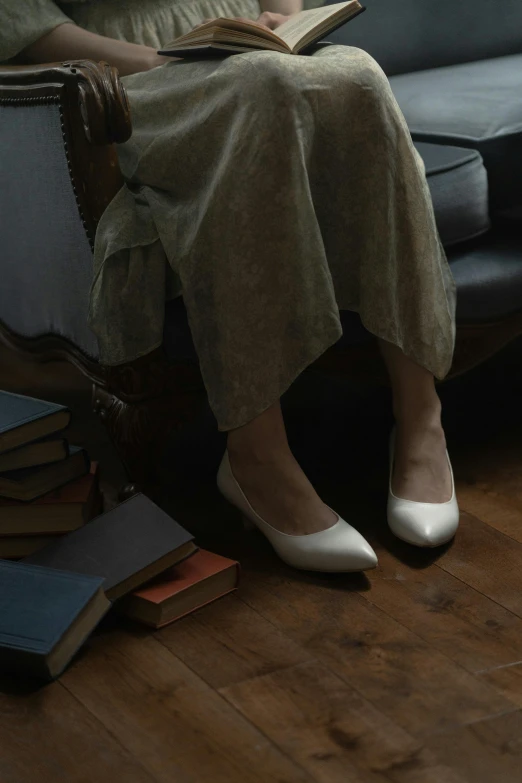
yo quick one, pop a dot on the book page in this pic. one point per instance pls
(215, 26)
(298, 26)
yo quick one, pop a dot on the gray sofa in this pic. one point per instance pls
(456, 69)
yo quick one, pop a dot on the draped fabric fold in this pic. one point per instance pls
(271, 190)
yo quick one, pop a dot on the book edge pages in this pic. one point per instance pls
(328, 23)
(141, 593)
(137, 607)
(162, 564)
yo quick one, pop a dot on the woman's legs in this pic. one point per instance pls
(272, 479)
(279, 491)
(421, 471)
(385, 261)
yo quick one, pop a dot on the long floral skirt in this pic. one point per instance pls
(271, 191)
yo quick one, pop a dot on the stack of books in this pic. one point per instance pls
(48, 487)
(134, 556)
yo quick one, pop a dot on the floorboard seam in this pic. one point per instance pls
(467, 724)
(113, 736)
(353, 685)
(489, 597)
(242, 715)
(367, 597)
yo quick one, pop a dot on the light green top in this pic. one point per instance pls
(151, 22)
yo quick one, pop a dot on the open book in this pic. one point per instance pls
(220, 36)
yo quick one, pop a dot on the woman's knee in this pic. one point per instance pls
(336, 86)
(268, 77)
(355, 80)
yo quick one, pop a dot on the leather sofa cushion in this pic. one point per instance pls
(477, 105)
(489, 278)
(459, 188)
(488, 274)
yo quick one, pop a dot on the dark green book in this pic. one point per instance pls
(30, 455)
(24, 419)
(45, 617)
(31, 483)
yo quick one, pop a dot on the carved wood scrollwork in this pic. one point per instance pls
(103, 102)
(92, 88)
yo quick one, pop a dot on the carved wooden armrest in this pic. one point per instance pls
(94, 115)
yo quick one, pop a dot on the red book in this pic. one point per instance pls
(59, 511)
(197, 581)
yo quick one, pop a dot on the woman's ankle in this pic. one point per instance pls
(261, 441)
(252, 455)
(418, 414)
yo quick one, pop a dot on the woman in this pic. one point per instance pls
(272, 191)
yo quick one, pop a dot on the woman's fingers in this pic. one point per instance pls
(271, 20)
(267, 19)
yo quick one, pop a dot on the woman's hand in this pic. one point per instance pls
(271, 20)
(69, 42)
(154, 60)
(267, 19)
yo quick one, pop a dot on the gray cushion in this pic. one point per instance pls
(411, 35)
(489, 279)
(479, 106)
(488, 274)
(459, 188)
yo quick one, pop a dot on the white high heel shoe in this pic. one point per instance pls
(339, 548)
(422, 524)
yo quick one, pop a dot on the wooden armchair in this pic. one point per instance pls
(59, 124)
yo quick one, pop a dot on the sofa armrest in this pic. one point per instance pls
(94, 114)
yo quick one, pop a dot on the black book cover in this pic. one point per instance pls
(126, 546)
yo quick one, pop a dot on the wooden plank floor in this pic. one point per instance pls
(412, 673)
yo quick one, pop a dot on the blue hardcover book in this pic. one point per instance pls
(45, 617)
(24, 419)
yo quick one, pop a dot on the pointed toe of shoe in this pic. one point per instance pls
(339, 549)
(423, 524)
(363, 554)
